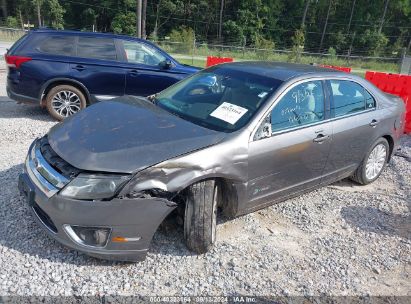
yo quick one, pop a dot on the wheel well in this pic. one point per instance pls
(63, 82)
(391, 145)
(227, 196)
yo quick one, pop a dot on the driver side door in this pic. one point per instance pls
(144, 73)
(290, 149)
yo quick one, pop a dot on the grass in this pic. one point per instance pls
(359, 66)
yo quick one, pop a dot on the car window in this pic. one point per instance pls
(96, 48)
(219, 98)
(137, 52)
(58, 45)
(301, 105)
(349, 97)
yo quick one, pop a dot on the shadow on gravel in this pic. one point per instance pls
(20, 232)
(374, 220)
(11, 109)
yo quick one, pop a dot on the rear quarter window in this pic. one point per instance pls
(16, 45)
(58, 45)
(96, 48)
(349, 97)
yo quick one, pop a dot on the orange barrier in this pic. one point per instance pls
(396, 84)
(211, 60)
(343, 69)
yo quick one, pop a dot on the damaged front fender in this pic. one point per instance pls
(220, 161)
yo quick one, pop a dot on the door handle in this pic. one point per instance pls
(79, 67)
(320, 138)
(133, 73)
(374, 122)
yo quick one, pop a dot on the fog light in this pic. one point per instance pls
(88, 236)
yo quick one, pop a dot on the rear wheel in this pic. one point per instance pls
(200, 218)
(63, 101)
(373, 163)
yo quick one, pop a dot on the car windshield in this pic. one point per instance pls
(221, 98)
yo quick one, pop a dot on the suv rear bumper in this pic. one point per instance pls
(21, 98)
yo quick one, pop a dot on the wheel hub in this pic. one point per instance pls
(375, 161)
(66, 103)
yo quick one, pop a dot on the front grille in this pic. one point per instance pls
(59, 164)
(44, 218)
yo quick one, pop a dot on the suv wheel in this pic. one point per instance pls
(200, 217)
(63, 101)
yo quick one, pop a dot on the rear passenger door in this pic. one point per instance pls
(97, 67)
(355, 124)
(145, 69)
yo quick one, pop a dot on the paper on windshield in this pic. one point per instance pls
(229, 112)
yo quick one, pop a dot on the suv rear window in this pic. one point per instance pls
(58, 45)
(97, 48)
(17, 43)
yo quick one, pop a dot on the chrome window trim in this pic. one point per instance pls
(275, 100)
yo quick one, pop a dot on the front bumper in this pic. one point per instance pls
(136, 219)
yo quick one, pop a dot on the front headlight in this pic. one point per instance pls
(93, 187)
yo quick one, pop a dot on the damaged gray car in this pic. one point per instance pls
(235, 137)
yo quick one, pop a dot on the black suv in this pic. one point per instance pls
(67, 70)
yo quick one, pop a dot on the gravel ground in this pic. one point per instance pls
(339, 240)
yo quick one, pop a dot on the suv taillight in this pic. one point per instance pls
(15, 61)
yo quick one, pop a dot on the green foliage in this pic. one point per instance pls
(53, 13)
(124, 24)
(298, 45)
(233, 32)
(373, 41)
(245, 22)
(264, 47)
(332, 52)
(12, 22)
(184, 38)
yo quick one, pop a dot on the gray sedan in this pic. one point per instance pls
(235, 137)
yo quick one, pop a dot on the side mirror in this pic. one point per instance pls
(264, 130)
(166, 64)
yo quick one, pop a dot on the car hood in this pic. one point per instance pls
(126, 135)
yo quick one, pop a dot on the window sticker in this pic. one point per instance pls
(262, 94)
(229, 113)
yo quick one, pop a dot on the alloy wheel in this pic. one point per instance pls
(66, 103)
(375, 161)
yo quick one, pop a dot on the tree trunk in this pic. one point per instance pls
(220, 23)
(351, 15)
(4, 8)
(307, 4)
(21, 20)
(383, 16)
(38, 13)
(143, 20)
(325, 26)
(138, 12)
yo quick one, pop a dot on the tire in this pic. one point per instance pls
(63, 101)
(200, 218)
(360, 175)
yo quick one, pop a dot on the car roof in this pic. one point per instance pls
(80, 33)
(278, 70)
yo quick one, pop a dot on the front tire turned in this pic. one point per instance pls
(200, 218)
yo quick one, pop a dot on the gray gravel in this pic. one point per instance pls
(339, 240)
